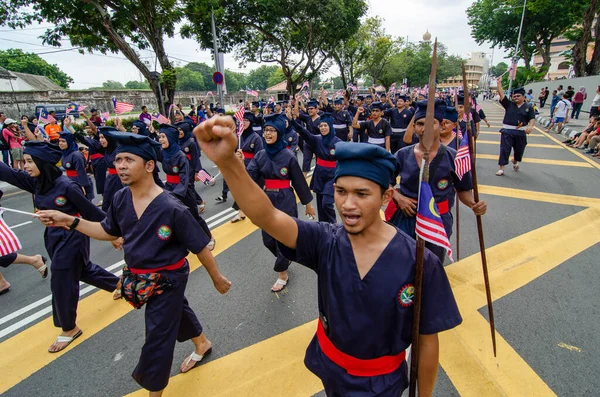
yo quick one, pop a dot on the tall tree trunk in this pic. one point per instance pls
(526, 56)
(580, 47)
(341, 68)
(593, 67)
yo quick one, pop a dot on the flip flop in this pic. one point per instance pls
(201, 208)
(238, 218)
(281, 282)
(44, 269)
(66, 339)
(515, 167)
(197, 358)
(500, 173)
(5, 290)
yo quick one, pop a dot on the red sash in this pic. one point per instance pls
(112, 171)
(173, 178)
(71, 173)
(277, 184)
(326, 163)
(174, 266)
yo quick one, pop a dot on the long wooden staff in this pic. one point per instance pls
(457, 201)
(427, 141)
(486, 277)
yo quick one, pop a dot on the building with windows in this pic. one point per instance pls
(560, 66)
(477, 71)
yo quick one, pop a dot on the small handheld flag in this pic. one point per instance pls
(204, 177)
(122, 107)
(45, 118)
(239, 116)
(160, 118)
(9, 242)
(462, 161)
(251, 92)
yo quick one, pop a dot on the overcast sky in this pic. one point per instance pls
(443, 18)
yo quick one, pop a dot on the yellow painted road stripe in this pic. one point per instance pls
(540, 196)
(538, 145)
(497, 133)
(466, 353)
(577, 153)
(274, 366)
(539, 161)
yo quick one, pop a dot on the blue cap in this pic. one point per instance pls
(519, 90)
(377, 105)
(312, 104)
(369, 97)
(438, 113)
(255, 104)
(338, 101)
(271, 106)
(106, 128)
(44, 151)
(360, 97)
(141, 126)
(365, 161)
(460, 99)
(137, 144)
(401, 96)
(219, 110)
(451, 114)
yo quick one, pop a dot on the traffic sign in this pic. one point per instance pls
(218, 77)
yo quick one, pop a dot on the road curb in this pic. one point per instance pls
(545, 122)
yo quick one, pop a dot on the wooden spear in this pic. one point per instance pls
(457, 201)
(486, 277)
(427, 141)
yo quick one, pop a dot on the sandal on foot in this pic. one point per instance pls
(211, 244)
(237, 218)
(118, 294)
(44, 269)
(5, 290)
(515, 167)
(221, 199)
(201, 208)
(499, 173)
(281, 282)
(65, 339)
(197, 358)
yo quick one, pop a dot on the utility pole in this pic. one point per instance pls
(218, 65)
(515, 59)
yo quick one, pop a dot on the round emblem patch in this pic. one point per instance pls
(187, 149)
(164, 232)
(175, 169)
(290, 139)
(406, 295)
(404, 116)
(380, 132)
(332, 152)
(442, 184)
(251, 146)
(68, 165)
(60, 201)
(283, 171)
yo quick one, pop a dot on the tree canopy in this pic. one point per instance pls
(298, 36)
(26, 62)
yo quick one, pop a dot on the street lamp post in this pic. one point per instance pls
(515, 59)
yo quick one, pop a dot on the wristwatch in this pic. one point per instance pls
(74, 224)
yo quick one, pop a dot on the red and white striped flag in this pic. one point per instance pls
(239, 116)
(462, 161)
(304, 85)
(251, 92)
(160, 118)
(512, 71)
(104, 116)
(9, 242)
(429, 221)
(210, 93)
(204, 177)
(122, 107)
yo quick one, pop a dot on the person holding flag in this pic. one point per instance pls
(365, 272)
(74, 163)
(442, 179)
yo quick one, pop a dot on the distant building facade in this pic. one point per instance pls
(477, 71)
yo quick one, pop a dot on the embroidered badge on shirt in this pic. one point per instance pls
(68, 165)
(406, 295)
(187, 149)
(442, 184)
(164, 232)
(380, 132)
(251, 146)
(60, 201)
(175, 169)
(290, 139)
(283, 171)
(332, 152)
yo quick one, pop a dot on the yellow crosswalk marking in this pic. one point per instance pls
(540, 161)
(497, 133)
(538, 145)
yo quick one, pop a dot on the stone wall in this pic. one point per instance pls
(24, 102)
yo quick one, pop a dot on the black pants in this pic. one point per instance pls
(281, 264)
(7, 260)
(307, 155)
(510, 142)
(325, 208)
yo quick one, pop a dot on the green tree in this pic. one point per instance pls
(137, 85)
(349, 54)
(206, 72)
(107, 26)
(499, 69)
(25, 62)
(338, 84)
(299, 36)
(189, 80)
(583, 34)
(258, 79)
(112, 85)
(275, 78)
(380, 48)
(235, 81)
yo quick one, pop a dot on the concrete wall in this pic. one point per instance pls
(590, 83)
(18, 103)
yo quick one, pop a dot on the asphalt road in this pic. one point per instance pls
(542, 251)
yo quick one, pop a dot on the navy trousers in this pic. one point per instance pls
(281, 264)
(307, 155)
(99, 166)
(325, 208)
(510, 142)
(7, 260)
(168, 318)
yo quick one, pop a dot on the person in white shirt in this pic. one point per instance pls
(561, 113)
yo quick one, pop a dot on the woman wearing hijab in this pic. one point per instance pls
(578, 99)
(177, 167)
(282, 176)
(324, 147)
(96, 153)
(190, 148)
(250, 144)
(69, 250)
(74, 163)
(112, 184)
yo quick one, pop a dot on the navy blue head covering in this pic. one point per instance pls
(172, 134)
(451, 114)
(255, 104)
(365, 161)
(271, 106)
(403, 97)
(377, 105)
(31, 126)
(44, 151)
(519, 90)
(219, 110)
(327, 118)
(249, 116)
(338, 101)
(276, 121)
(187, 130)
(312, 104)
(438, 113)
(108, 132)
(369, 97)
(141, 126)
(137, 144)
(360, 97)
(460, 99)
(71, 142)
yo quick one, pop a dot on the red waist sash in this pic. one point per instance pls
(443, 207)
(356, 366)
(174, 266)
(96, 156)
(326, 163)
(288, 147)
(277, 184)
(189, 156)
(173, 178)
(248, 155)
(71, 173)
(112, 171)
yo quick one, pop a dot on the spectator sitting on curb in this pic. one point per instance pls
(570, 141)
(580, 143)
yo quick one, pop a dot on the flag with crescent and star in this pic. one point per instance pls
(429, 221)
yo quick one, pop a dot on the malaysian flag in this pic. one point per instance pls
(306, 95)
(122, 107)
(429, 222)
(239, 116)
(512, 71)
(304, 85)
(160, 118)
(251, 92)
(204, 177)
(271, 100)
(393, 88)
(340, 93)
(462, 161)
(72, 106)
(9, 242)
(104, 116)
(210, 93)
(352, 87)
(45, 117)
